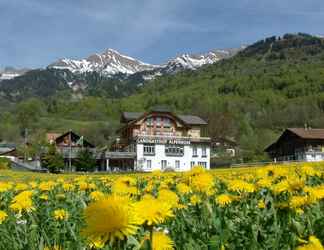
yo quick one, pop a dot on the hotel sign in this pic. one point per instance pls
(175, 141)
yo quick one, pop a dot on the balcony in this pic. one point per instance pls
(167, 139)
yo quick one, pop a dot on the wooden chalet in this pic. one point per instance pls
(298, 144)
(69, 145)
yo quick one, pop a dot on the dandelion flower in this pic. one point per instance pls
(195, 199)
(110, 218)
(202, 182)
(3, 216)
(313, 244)
(241, 186)
(224, 199)
(298, 201)
(61, 214)
(183, 188)
(161, 241)
(153, 211)
(96, 195)
(22, 202)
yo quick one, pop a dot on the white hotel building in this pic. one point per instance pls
(160, 139)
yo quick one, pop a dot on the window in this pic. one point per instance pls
(149, 122)
(202, 163)
(166, 123)
(174, 150)
(177, 164)
(194, 151)
(158, 122)
(149, 164)
(163, 164)
(192, 164)
(149, 149)
(203, 152)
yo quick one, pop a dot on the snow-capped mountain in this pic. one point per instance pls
(10, 73)
(195, 61)
(110, 62)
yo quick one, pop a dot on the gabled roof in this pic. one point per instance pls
(187, 119)
(309, 133)
(85, 142)
(192, 120)
(130, 116)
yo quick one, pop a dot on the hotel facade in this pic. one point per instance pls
(160, 140)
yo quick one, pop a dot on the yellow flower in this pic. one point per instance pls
(161, 241)
(124, 186)
(46, 185)
(313, 244)
(153, 211)
(224, 199)
(4, 186)
(202, 182)
(298, 201)
(3, 216)
(315, 193)
(241, 186)
(195, 199)
(169, 197)
(61, 214)
(280, 187)
(22, 201)
(110, 218)
(96, 195)
(183, 188)
(83, 186)
(261, 204)
(21, 186)
(68, 187)
(264, 183)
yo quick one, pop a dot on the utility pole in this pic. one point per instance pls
(25, 142)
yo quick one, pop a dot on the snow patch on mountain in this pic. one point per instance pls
(110, 62)
(9, 73)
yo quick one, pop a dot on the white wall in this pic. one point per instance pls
(185, 160)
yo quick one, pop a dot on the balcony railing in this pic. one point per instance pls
(173, 138)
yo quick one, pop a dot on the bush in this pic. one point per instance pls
(4, 163)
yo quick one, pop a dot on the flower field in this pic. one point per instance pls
(272, 207)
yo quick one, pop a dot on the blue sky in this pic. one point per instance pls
(35, 33)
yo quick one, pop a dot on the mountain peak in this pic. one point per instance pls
(110, 62)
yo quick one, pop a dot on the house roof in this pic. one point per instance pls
(85, 142)
(6, 148)
(192, 120)
(187, 119)
(130, 116)
(309, 133)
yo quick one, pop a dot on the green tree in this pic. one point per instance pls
(85, 161)
(52, 160)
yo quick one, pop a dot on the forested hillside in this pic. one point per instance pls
(272, 84)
